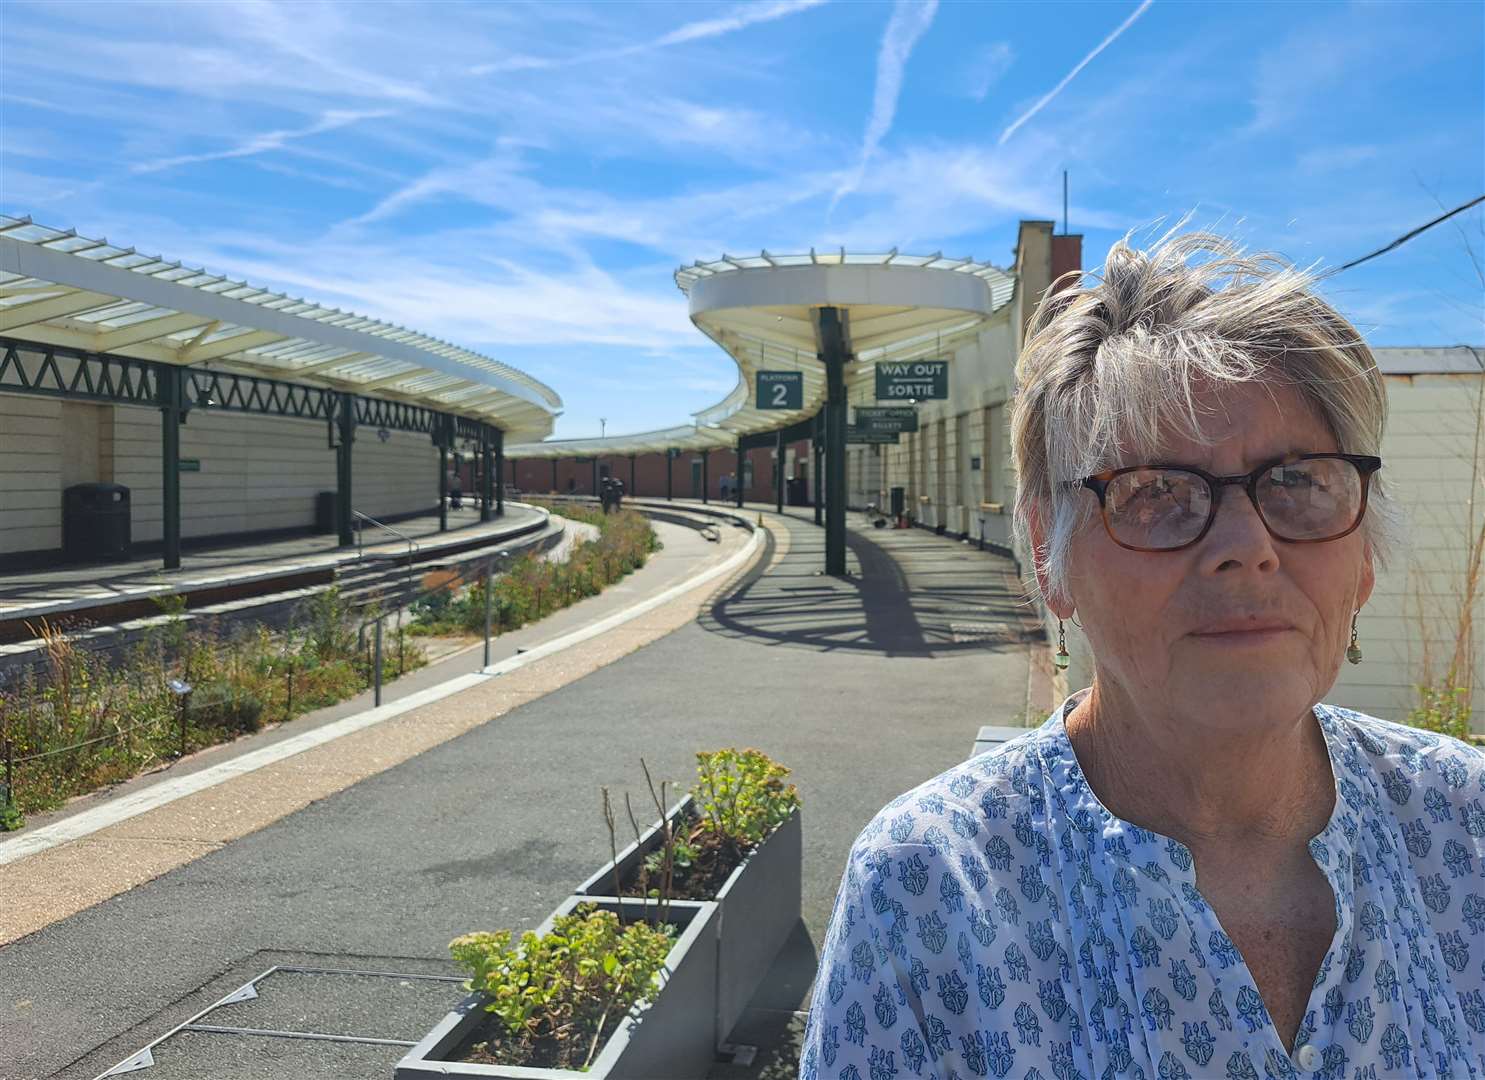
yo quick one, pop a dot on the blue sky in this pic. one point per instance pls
(524, 179)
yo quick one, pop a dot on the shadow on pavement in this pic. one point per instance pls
(905, 593)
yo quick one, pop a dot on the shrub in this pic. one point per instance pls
(327, 625)
(1446, 711)
(567, 987)
(739, 798)
(531, 587)
(223, 705)
(740, 795)
(86, 720)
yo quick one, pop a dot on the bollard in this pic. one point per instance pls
(376, 664)
(289, 694)
(489, 596)
(181, 708)
(9, 773)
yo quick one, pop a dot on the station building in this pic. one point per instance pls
(954, 475)
(195, 409)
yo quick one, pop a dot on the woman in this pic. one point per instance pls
(1193, 868)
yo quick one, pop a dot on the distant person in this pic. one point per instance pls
(616, 492)
(1194, 868)
(572, 485)
(456, 490)
(726, 487)
(605, 494)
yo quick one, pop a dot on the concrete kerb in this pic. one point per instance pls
(112, 813)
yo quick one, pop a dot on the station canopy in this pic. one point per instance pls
(761, 310)
(61, 289)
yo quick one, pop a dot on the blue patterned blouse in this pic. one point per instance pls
(999, 921)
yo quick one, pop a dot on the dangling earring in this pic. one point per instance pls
(1061, 659)
(1353, 652)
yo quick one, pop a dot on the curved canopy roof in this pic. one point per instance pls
(760, 309)
(686, 437)
(58, 288)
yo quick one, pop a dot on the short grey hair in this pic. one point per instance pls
(1114, 361)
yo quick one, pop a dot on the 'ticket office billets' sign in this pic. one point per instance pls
(887, 418)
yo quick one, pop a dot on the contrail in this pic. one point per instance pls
(1102, 45)
(909, 22)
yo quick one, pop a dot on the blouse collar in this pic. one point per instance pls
(1151, 852)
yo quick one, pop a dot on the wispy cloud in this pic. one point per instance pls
(739, 18)
(264, 143)
(1329, 158)
(910, 21)
(988, 67)
(1292, 79)
(1047, 98)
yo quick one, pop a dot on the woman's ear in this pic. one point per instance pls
(1060, 606)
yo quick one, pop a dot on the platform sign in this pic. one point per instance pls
(863, 436)
(672, 453)
(912, 380)
(780, 390)
(190, 464)
(887, 418)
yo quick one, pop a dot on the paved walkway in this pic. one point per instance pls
(865, 686)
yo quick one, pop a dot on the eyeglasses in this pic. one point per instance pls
(1303, 500)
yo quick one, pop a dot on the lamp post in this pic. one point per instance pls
(182, 691)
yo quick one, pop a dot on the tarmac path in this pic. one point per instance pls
(865, 686)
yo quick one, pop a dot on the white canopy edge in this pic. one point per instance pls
(58, 288)
(914, 315)
(918, 312)
(687, 438)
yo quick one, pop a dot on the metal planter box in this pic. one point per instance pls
(671, 1037)
(760, 903)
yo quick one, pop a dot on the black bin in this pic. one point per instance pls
(325, 519)
(797, 488)
(899, 501)
(96, 522)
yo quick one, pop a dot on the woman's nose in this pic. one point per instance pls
(1238, 537)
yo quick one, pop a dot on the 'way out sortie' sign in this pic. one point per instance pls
(912, 380)
(780, 390)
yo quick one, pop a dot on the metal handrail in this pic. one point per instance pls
(412, 545)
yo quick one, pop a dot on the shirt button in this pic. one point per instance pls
(1309, 1058)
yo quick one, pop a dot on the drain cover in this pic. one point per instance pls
(301, 1021)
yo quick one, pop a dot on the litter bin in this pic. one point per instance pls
(325, 520)
(798, 491)
(96, 522)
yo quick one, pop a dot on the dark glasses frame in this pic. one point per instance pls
(1366, 464)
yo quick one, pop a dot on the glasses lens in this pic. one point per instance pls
(1311, 500)
(1157, 509)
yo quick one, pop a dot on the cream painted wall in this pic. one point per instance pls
(30, 473)
(1432, 466)
(933, 462)
(257, 473)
